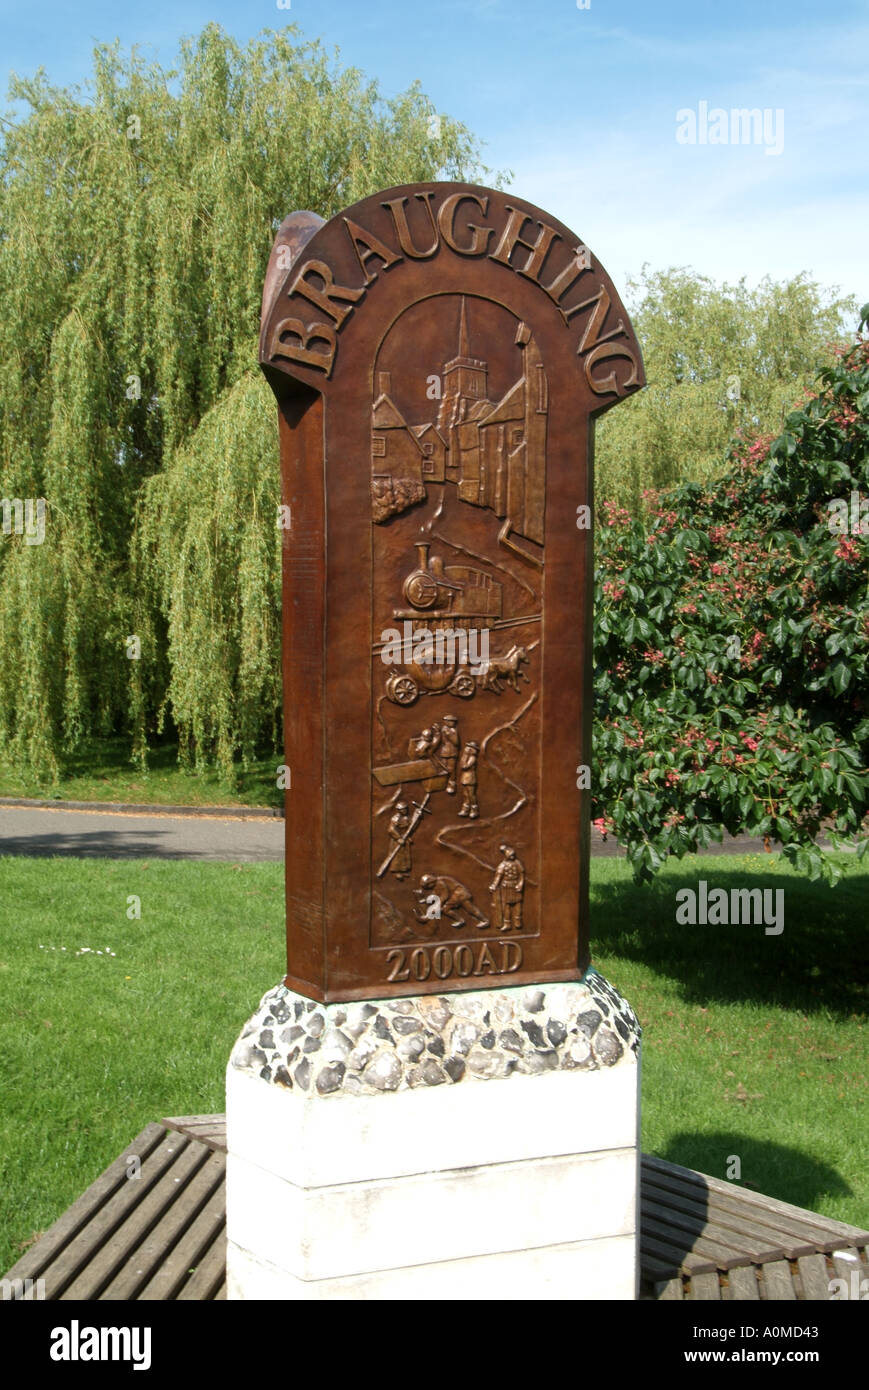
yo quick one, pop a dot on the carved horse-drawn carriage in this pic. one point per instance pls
(446, 646)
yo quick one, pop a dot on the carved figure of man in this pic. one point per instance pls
(448, 753)
(424, 744)
(509, 885)
(454, 899)
(398, 827)
(468, 780)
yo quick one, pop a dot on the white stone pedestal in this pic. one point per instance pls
(461, 1146)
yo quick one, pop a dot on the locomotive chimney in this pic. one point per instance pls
(422, 549)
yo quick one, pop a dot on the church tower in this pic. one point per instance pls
(465, 383)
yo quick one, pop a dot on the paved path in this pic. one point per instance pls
(108, 834)
(128, 835)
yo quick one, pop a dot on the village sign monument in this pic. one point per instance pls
(442, 1084)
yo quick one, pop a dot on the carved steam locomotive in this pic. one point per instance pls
(458, 606)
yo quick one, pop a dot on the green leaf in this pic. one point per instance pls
(840, 677)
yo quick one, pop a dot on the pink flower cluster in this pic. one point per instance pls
(847, 550)
(614, 515)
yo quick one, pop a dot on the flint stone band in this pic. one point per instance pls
(376, 1047)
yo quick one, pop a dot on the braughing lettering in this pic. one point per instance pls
(450, 224)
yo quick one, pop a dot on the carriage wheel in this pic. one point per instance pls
(402, 690)
(464, 685)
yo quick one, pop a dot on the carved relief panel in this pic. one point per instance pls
(458, 477)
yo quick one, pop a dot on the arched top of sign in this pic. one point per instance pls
(376, 259)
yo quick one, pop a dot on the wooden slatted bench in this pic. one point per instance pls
(161, 1234)
(804, 1280)
(702, 1238)
(152, 1226)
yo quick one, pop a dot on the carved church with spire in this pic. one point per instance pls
(493, 451)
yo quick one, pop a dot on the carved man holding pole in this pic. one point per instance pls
(508, 886)
(400, 831)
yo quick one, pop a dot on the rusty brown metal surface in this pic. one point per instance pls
(438, 353)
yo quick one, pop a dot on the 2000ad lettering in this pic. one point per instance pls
(440, 962)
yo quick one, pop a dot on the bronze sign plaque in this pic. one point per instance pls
(438, 353)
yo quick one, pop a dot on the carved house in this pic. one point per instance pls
(493, 451)
(496, 449)
(434, 452)
(512, 448)
(396, 457)
(395, 448)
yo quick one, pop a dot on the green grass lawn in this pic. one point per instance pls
(755, 1046)
(102, 771)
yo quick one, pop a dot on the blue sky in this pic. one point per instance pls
(581, 104)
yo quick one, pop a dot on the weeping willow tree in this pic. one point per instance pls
(206, 554)
(720, 359)
(136, 220)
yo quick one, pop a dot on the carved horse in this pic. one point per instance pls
(507, 669)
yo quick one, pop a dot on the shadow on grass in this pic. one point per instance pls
(768, 1169)
(194, 839)
(819, 961)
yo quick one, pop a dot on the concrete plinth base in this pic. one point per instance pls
(459, 1146)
